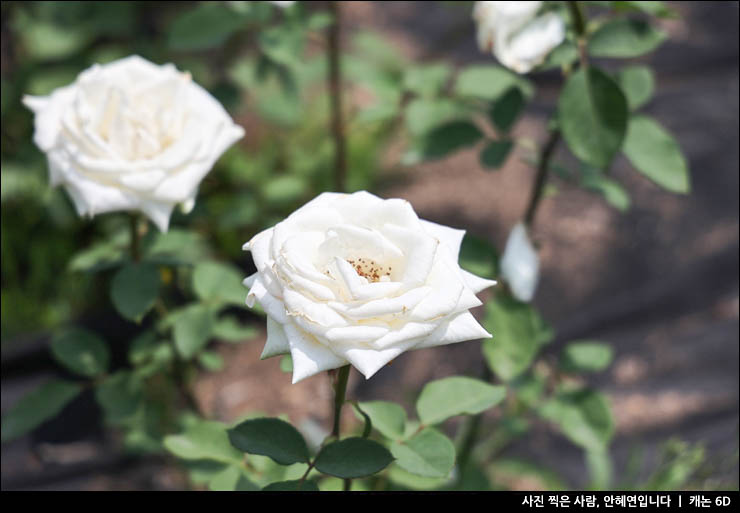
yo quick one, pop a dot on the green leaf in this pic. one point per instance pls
(612, 191)
(282, 190)
(211, 361)
(204, 440)
(178, 246)
(478, 256)
(353, 457)
(490, 82)
(449, 138)
(120, 396)
(424, 114)
(46, 41)
(586, 356)
(206, 26)
(651, 7)
(230, 330)
(270, 437)
(231, 479)
(563, 55)
(518, 334)
(81, 351)
(656, 154)
(426, 80)
(134, 289)
(495, 153)
(37, 406)
(637, 83)
(429, 453)
(584, 416)
(625, 38)
(599, 465)
(518, 471)
(286, 364)
(219, 283)
(592, 114)
(457, 395)
(506, 109)
(405, 479)
(292, 486)
(387, 417)
(192, 327)
(103, 255)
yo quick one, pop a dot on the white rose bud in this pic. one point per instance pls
(353, 278)
(520, 264)
(519, 38)
(131, 135)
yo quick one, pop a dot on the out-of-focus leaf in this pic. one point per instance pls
(37, 406)
(81, 351)
(624, 38)
(428, 453)
(490, 82)
(207, 26)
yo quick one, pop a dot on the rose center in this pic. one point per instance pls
(371, 270)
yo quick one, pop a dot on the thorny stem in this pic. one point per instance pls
(335, 94)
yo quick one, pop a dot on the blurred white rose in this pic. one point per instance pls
(520, 264)
(519, 38)
(131, 135)
(353, 278)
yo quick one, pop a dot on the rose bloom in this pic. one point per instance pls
(353, 278)
(131, 135)
(519, 38)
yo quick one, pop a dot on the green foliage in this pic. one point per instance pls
(507, 109)
(427, 80)
(387, 417)
(192, 326)
(637, 84)
(206, 26)
(296, 485)
(592, 114)
(595, 180)
(478, 256)
(656, 154)
(353, 457)
(457, 395)
(586, 356)
(120, 396)
(232, 478)
(428, 453)
(584, 416)
(81, 351)
(495, 153)
(134, 289)
(450, 137)
(625, 38)
(219, 283)
(489, 82)
(229, 329)
(519, 333)
(37, 406)
(270, 437)
(204, 440)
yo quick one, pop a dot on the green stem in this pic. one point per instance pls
(579, 25)
(340, 390)
(543, 167)
(135, 237)
(335, 95)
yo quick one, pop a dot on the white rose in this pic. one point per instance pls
(353, 278)
(520, 264)
(131, 135)
(519, 38)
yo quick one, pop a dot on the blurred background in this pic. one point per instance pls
(659, 280)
